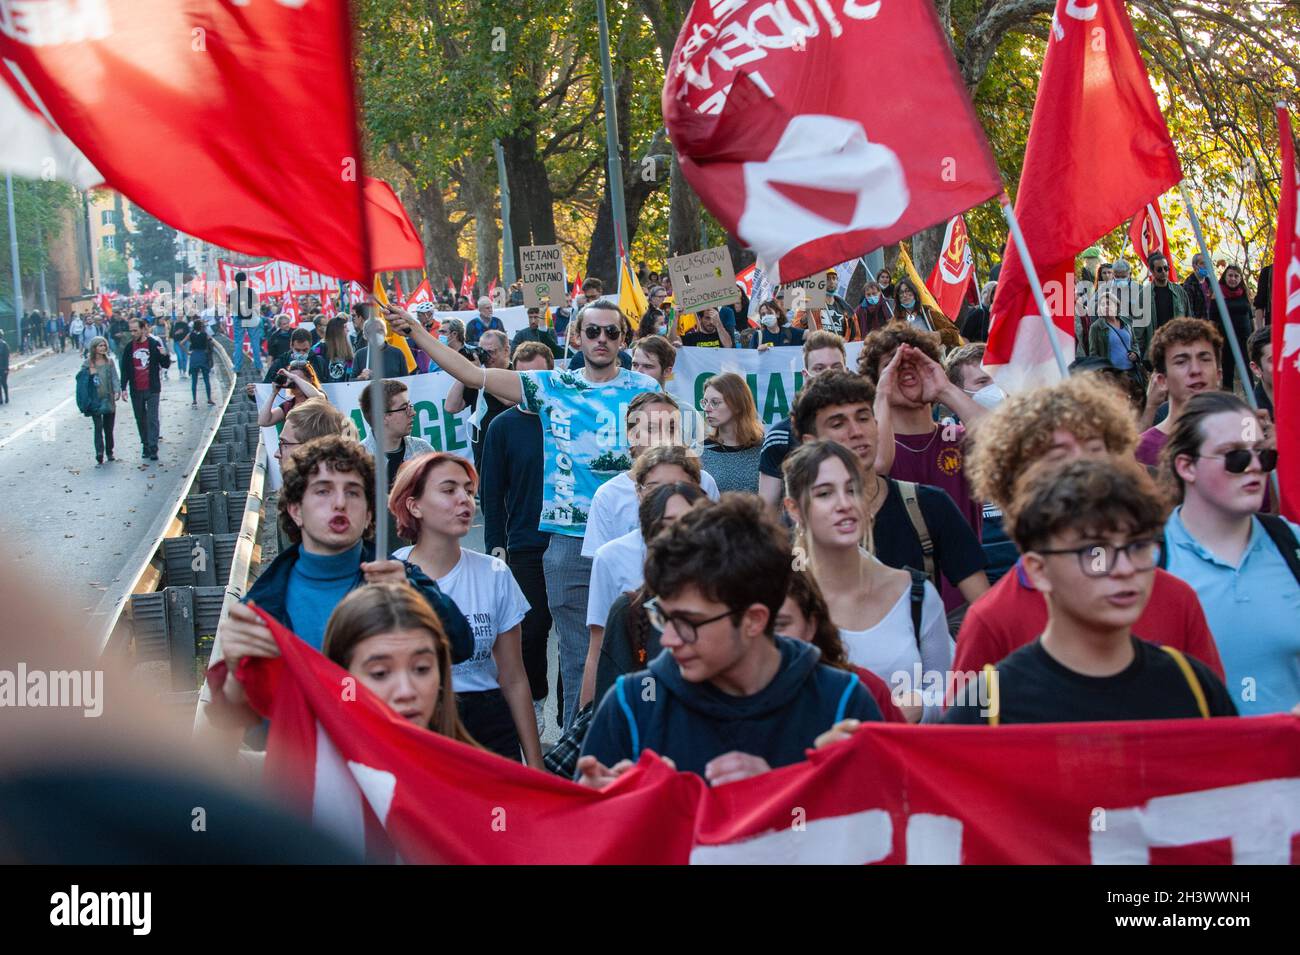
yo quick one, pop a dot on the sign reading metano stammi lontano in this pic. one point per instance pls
(541, 267)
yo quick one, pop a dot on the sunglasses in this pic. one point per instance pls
(593, 332)
(1161, 268)
(1237, 460)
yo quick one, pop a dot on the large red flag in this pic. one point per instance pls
(1165, 791)
(1094, 90)
(774, 132)
(1286, 325)
(1147, 234)
(165, 101)
(952, 273)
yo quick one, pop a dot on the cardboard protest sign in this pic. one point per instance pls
(541, 267)
(704, 279)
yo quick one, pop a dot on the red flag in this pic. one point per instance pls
(201, 78)
(1070, 191)
(399, 297)
(1148, 234)
(451, 286)
(394, 242)
(423, 293)
(327, 303)
(105, 303)
(1172, 791)
(745, 279)
(1286, 325)
(468, 282)
(810, 173)
(951, 275)
(492, 287)
(289, 306)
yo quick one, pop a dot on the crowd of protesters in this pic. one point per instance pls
(910, 544)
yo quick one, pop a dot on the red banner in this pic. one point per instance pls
(274, 278)
(1174, 791)
(1147, 234)
(772, 127)
(1094, 90)
(953, 272)
(1286, 325)
(168, 101)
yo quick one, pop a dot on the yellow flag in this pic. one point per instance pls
(391, 337)
(905, 261)
(630, 297)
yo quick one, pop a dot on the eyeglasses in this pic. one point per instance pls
(1161, 268)
(1098, 560)
(688, 630)
(707, 403)
(593, 332)
(1237, 460)
(399, 409)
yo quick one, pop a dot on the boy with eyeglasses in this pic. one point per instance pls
(1089, 533)
(727, 698)
(584, 443)
(1245, 566)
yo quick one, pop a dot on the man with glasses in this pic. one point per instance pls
(584, 444)
(727, 698)
(1089, 532)
(1244, 565)
(493, 352)
(1162, 300)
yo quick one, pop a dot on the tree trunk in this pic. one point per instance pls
(926, 246)
(532, 204)
(683, 213)
(442, 260)
(742, 257)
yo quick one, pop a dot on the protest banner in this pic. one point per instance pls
(428, 395)
(1197, 791)
(704, 279)
(541, 268)
(806, 293)
(274, 278)
(774, 376)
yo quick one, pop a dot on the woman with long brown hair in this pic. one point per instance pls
(335, 351)
(388, 637)
(735, 439)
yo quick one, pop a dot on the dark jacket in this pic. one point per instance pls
(692, 723)
(158, 358)
(543, 335)
(394, 362)
(271, 592)
(512, 484)
(287, 358)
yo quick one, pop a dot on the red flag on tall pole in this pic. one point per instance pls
(1148, 234)
(1071, 192)
(952, 273)
(394, 242)
(199, 78)
(1286, 325)
(790, 156)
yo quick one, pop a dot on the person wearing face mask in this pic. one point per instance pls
(876, 310)
(658, 316)
(299, 350)
(1200, 294)
(909, 308)
(774, 327)
(965, 369)
(885, 279)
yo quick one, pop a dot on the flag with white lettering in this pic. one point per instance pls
(1168, 791)
(766, 108)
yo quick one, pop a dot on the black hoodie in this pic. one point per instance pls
(692, 723)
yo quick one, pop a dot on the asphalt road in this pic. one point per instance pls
(75, 528)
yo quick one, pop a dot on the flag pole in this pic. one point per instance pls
(13, 256)
(1018, 237)
(1237, 359)
(614, 176)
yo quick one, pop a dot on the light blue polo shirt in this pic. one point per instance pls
(1253, 611)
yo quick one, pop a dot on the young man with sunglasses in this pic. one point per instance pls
(1089, 533)
(727, 698)
(1244, 565)
(584, 444)
(1162, 300)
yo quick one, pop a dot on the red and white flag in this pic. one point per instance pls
(953, 272)
(105, 303)
(1170, 791)
(1286, 325)
(289, 306)
(1147, 234)
(745, 279)
(399, 297)
(468, 282)
(1070, 191)
(423, 293)
(163, 101)
(327, 303)
(775, 134)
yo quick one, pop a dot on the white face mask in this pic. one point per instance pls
(767, 320)
(990, 396)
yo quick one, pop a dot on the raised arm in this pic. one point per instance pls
(502, 382)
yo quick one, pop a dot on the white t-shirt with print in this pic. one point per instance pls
(618, 568)
(486, 593)
(615, 510)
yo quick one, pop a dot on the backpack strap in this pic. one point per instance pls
(1163, 562)
(991, 687)
(917, 602)
(1284, 539)
(908, 491)
(621, 695)
(1190, 676)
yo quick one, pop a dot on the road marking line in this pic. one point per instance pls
(35, 421)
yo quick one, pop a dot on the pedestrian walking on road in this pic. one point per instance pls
(4, 369)
(101, 388)
(179, 335)
(200, 359)
(142, 362)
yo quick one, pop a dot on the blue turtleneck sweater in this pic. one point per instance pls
(316, 585)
